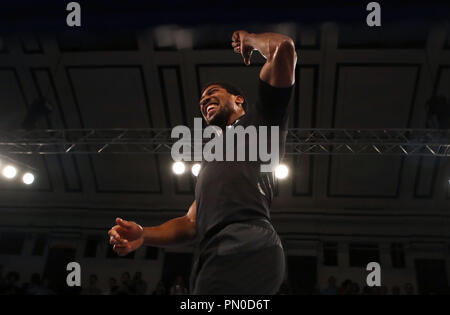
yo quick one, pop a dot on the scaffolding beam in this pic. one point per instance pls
(396, 142)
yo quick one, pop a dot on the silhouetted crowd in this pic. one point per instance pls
(348, 287)
(127, 285)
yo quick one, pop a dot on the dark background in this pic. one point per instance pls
(141, 65)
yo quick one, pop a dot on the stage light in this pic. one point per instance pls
(178, 168)
(281, 171)
(195, 169)
(9, 171)
(28, 178)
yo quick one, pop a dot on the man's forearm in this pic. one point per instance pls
(171, 233)
(268, 43)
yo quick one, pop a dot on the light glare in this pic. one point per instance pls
(195, 169)
(281, 171)
(9, 171)
(178, 168)
(28, 178)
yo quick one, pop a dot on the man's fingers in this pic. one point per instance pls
(119, 221)
(114, 235)
(117, 240)
(247, 56)
(113, 232)
(123, 223)
(121, 250)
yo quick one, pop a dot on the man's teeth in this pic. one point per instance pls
(210, 107)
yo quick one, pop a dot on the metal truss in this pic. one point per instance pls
(397, 142)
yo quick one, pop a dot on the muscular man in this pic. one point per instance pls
(239, 252)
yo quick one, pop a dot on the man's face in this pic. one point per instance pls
(216, 105)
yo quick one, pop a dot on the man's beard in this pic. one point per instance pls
(221, 118)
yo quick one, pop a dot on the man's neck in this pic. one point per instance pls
(234, 117)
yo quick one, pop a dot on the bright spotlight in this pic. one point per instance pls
(195, 169)
(178, 168)
(9, 171)
(28, 178)
(281, 171)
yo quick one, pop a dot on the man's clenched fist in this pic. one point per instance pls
(240, 43)
(126, 236)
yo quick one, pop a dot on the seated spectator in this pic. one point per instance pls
(35, 287)
(113, 287)
(160, 289)
(125, 287)
(345, 288)
(355, 289)
(139, 285)
(11, 285)
(178, 288)
(332, 288)
(92, 288)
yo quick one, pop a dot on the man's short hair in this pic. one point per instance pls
(230, 89)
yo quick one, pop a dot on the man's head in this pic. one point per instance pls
(138, 275)
(332, 281)
(112, 282)
(221, 103)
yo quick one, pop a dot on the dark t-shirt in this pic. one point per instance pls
(231, 191)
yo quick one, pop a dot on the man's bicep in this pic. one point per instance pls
(279, 71)
(277, 74)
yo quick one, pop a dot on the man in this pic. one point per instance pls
(239, 251)
(92, 288)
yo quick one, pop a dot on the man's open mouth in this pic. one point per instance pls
(211, 109)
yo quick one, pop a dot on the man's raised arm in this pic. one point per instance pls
(279, 51)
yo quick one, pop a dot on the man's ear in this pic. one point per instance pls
(239, 100)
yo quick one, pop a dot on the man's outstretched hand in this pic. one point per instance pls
(241, 45)
(125, 237)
